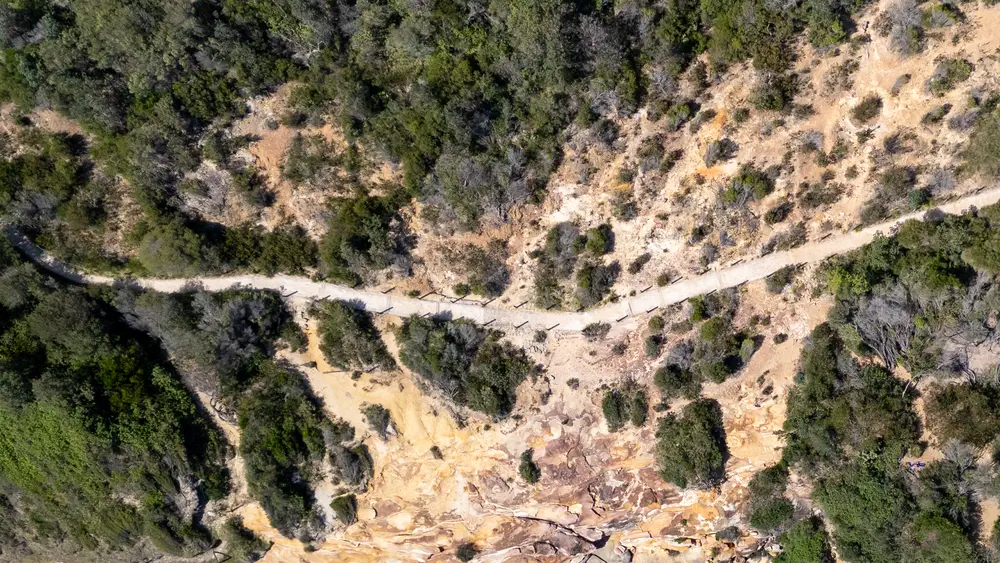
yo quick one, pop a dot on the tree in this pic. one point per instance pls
(807, 540)
(171, 249)
(349, 339)
(528, 469)
(691, 449)
(626, 402)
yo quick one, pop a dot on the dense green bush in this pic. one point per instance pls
(691, 449)
(952, 409)
(92, 414)
(349, 339)
(365, 236)
(242, 544)
(675, 381)
(282, 443)
(468, 364)
(867, 109)
(807, 540)
(749, 183)
(379, 419)
(623, 403)
(769, 509)
(778, 281)
(948, 73)
(345, 507)
(528, 469)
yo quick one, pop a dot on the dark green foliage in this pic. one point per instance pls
(948, 73)
(868, 507)
(285, 249)
(769, 509)
(982, 154)
(349, 339)
(599, 240)
(637, 265)
(466, 552)
(91, 414)
(467, 363)
(931, 538)
(281, 441)
(623, 403)
(777, 281)
(716, 350)
(172, 249)
(528, 470)
(678, 115)
(775, 92)
(345, 507)
(596, 331)
(867, 109)
(828, 418)
(952, 409)
(675, 381)
(719, 151)
(379, 419)
(748, 184)
(849, 421)
(556, 262)
(486, 269)
(365, 236)
(779, 212)
(691, 449)
(805, 542)
(936, 115)
(242, 544)
(594, 281)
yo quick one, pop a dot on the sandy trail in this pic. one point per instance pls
(621, 312)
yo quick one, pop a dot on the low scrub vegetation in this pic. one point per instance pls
(471, 366)
(625, 402)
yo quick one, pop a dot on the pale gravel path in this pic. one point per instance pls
(626, 307)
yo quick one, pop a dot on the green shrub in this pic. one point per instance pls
(951, 408)
(636, 265)
(528, 470)
(599, 240)
(677, 382)
(678, 115)
(807, 540)
(691, 449)
(345, 507)
(748, 183)
(769, 509)
(625, 402)
(467, 363)
(596, 331)
(348, 338)
(379, 419)
(867, 109)
(949, 73)
(242, 544)
(777, 281)
(466, 552)
(779, 212)
(364, 237)
(936, 115)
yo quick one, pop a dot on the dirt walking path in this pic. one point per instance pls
(621, 312)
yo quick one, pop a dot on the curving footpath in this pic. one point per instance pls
(621, 312)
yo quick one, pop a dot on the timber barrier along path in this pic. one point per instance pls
(624, 310)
